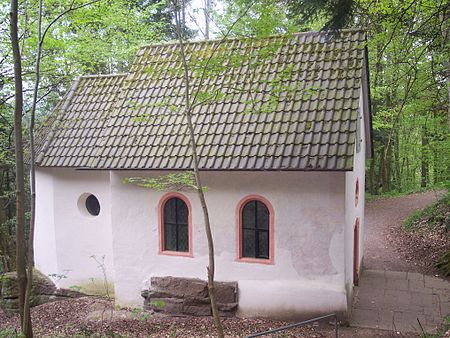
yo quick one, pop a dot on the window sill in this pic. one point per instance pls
(255, 260)
(176, 253)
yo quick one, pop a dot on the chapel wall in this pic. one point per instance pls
(307, 274)
(79, 236)
(355, 204)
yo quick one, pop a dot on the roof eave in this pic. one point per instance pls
(207, 169)
(367, 105)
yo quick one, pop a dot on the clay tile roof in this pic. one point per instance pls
(279, 103)
(69, 136)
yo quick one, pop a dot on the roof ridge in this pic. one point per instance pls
(236, 38)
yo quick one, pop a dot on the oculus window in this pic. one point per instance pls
(175, 225)
(92, 205)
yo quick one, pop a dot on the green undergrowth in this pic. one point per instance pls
(10, 333)
(435, 215)
(396, 193)
(433, 223)
(442, 330)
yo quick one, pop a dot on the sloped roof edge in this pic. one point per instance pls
(124, 144)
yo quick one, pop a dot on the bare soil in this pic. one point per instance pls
(73, 318)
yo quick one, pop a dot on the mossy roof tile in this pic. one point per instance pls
(279, 103)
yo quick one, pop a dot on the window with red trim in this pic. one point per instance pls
(357, 192)
(255, 230)
(175, 225)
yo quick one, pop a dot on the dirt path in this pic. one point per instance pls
(381, 215)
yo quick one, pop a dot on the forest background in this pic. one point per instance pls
(409, 55)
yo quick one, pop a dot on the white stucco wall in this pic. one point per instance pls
(308, 276)
(66, 235)
(352, 212)
(44, 235)
(314, 217)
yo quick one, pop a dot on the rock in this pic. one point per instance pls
(8, 285)
(166, 305)
(68, 293)
(226, 292)
(10, 304)
(42, 291)
(150, 293)
(227, 310)
(196, 301)
(197, 310)
(188, 296)
(42, 285)
(36, 300)
(180, 287)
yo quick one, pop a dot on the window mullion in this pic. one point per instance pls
(176, 226)
(256, 230)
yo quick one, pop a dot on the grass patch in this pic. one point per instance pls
(432, 216)
(429, 234)
(10, 333)
(95, 287)
(396, 193)
(442, 330)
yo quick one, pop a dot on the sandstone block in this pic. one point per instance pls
(228, 309)
(188, 296)
(166, 305)
(226, 292)
(197, 310)
(180, 287)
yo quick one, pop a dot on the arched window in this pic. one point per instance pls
(255, 230)
(356, 192)
(175, 225)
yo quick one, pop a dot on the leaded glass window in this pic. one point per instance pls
(176, 225)
(255, 230)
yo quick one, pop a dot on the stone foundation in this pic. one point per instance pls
(189, 296)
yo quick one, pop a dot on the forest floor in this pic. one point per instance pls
(387, 245)
(97, 317)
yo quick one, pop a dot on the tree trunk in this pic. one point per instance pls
(188, 115)
(20, 181)
(445, 38)
(397, 174)
(424, 151)
(381, 173)
(387, 170)
(26, 320)
(5, 238)
(372, 176)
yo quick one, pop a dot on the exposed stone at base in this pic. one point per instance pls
(189, 296)
(43, 291)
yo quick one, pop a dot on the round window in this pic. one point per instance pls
(92, 205)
